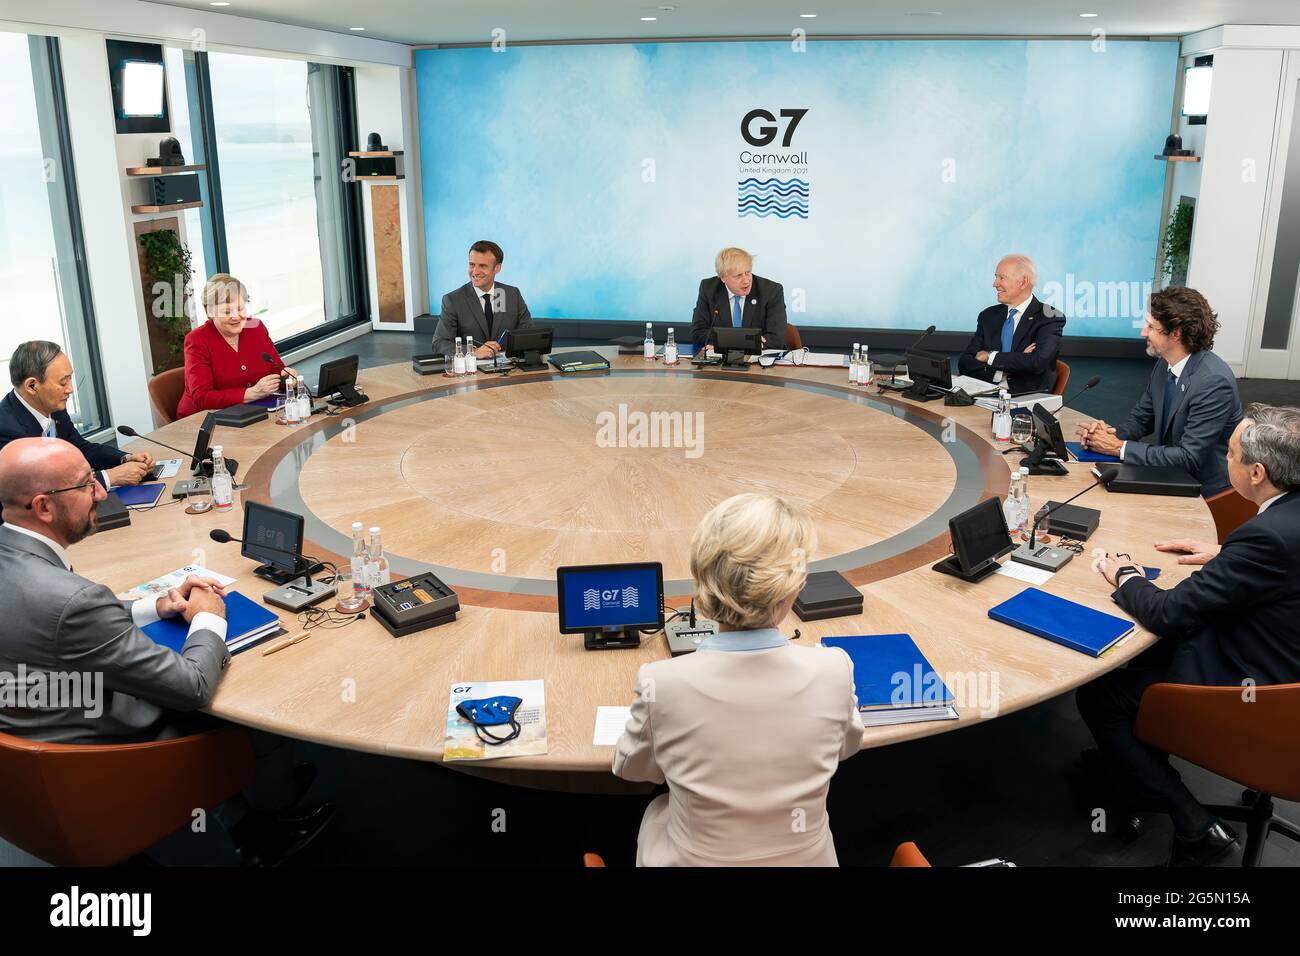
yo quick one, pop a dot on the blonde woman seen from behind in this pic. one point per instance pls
(748, 731)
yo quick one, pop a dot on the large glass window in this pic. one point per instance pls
(41, 260)
(273, 133)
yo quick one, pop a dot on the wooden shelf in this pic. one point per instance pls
(385, 153)
(145, 171)
(378, 179)
(172, 208)
(1179, 159)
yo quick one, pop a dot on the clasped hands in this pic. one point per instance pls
(1100, 437)
(191, 596)
(132, 470)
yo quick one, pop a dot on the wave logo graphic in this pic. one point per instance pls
(631, 597)
(772, 197)
(591, 600)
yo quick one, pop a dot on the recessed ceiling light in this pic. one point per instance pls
(356, 29)
(219, 3)
(648, 19)
(1087, 14)
(667, 9)
(925, 13)
(807, 16)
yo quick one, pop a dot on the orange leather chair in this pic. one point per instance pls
(1253, 742)
(592, 860)
(100, 804)
(165, 391)
(1062, 378)
(793, 340)
(909, 854)
(1230, 511)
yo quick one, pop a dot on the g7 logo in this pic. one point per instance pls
(768, 133)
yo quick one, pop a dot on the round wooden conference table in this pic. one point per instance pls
(493, 482)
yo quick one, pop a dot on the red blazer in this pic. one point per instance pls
(216, 375)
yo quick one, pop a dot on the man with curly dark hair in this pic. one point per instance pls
(1190, 406)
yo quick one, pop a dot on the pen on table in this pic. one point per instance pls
(285, 642)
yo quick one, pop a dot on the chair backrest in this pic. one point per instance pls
(1062, 378)
(793, 340)
(592, 860)
(1230, 511)
(165, 391)
(909, 854)
(100, 804)
(1247, 734)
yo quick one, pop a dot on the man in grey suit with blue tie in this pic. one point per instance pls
(482, 308)
(1190, 407)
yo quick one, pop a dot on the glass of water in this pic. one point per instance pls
(1022, 427)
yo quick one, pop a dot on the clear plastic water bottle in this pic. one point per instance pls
(1002, 419)
(648, 348)
(292, 411)
(360, 563)
(458, 361)
(471, 361)
(304, 401)
(855, 358)
(379, 573)
(1026, 510)
(864, 368)
(223, 489)
(670, 349)
(1011, 506)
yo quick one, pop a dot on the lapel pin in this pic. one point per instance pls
(753, 302)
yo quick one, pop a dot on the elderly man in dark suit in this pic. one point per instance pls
(1231, 622)
(736, 298)
(61, 625)
(1190, 405)
(37, 407)
(1016, 342)
(482, 308)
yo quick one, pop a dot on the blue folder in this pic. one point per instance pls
(1080, 628)
(134, 496)
(1082, 454)
(243, 617)
(890, 671)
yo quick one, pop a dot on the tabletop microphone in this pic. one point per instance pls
(130, 432)
(894, 359)
(1092, 383)
(297, 590)
(1053, 559)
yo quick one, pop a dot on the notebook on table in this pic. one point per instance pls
(140, 496)
(893, 680)
(1075, 626)
(1082, 454)
(247, 623)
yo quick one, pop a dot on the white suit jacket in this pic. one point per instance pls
(748, 741)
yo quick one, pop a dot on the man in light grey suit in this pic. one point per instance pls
(75, 666)
(482, 308)
(1190, 407)
(57, 622)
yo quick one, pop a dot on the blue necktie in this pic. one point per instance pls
(735, 312)
(1166, 411)
(1008, 330)
(51, 430)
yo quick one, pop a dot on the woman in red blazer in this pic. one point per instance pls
(223, 356)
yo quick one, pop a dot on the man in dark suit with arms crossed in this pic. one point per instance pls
(736, 298)
(482, 308)
(1016, 342)
(1190, 405)
(1231, 622)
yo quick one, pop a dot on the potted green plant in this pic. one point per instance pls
(168, 262)
(1176, 245)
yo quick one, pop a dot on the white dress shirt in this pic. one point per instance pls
(43, 421)
(145, 610)
(1177, 371)
(1015, 324)
(1280, 494)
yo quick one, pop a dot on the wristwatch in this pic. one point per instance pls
(1123, 574)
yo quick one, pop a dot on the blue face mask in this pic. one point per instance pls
(491, 712)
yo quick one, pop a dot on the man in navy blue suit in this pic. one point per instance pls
(1232, 623)
(736, 298)
(1190, 405)
(42, 378)
(1016, 342)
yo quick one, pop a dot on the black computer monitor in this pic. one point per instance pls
(1049, 444)
(340, 376)
(979, 538)
(735, 343)
(611, 603)
(928, 371)
(203, 443)
(528, 346)
(274, 537)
